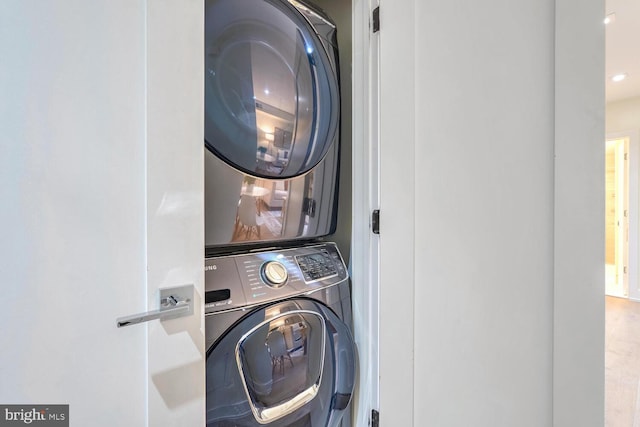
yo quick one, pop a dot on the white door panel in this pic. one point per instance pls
(101, 171)
(72, 254)
(175, 206)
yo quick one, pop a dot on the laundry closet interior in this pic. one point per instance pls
(280, 347)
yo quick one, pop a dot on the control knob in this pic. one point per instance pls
(274, 274)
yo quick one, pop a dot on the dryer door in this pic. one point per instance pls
(289, 364)
(272, 101)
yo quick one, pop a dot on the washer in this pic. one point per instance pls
(280, 347)
(272, 122)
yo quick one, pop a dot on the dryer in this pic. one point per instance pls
(280, 350)
(272, 122)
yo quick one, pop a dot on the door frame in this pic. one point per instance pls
(621, 213)
(633, 204)
(364, 260)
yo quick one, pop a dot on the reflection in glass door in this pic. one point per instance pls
(617, 218)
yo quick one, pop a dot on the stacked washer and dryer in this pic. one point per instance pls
(280, 351)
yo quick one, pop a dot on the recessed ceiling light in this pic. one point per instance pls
(266, 91)
(610, 18)
(619, 77)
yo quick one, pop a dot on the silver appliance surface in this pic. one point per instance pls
(280, 351)
(244, 281)
(272, 122)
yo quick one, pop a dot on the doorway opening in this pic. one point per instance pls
(622, 238)
(617, 218)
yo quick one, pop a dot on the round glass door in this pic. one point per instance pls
(290, 364)
(271, 94)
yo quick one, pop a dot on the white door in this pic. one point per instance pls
(523, 201)
(101, 171)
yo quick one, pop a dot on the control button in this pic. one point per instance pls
(274, 273)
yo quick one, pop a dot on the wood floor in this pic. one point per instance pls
(622, 363)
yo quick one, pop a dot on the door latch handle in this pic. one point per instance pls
(174, 302)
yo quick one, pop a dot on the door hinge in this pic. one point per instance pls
(375, 221)
(375, 418)
(625, 269)
(375, 23)
(625, 156)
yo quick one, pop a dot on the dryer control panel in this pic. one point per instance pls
(241, 281)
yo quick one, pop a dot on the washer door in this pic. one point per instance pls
(272, 101)
(288, 364)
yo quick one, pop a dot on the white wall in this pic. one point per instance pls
(623, 115)
(578, 316)
(476, 262)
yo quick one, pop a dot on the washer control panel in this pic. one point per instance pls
(236, 281)
(316, 266)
